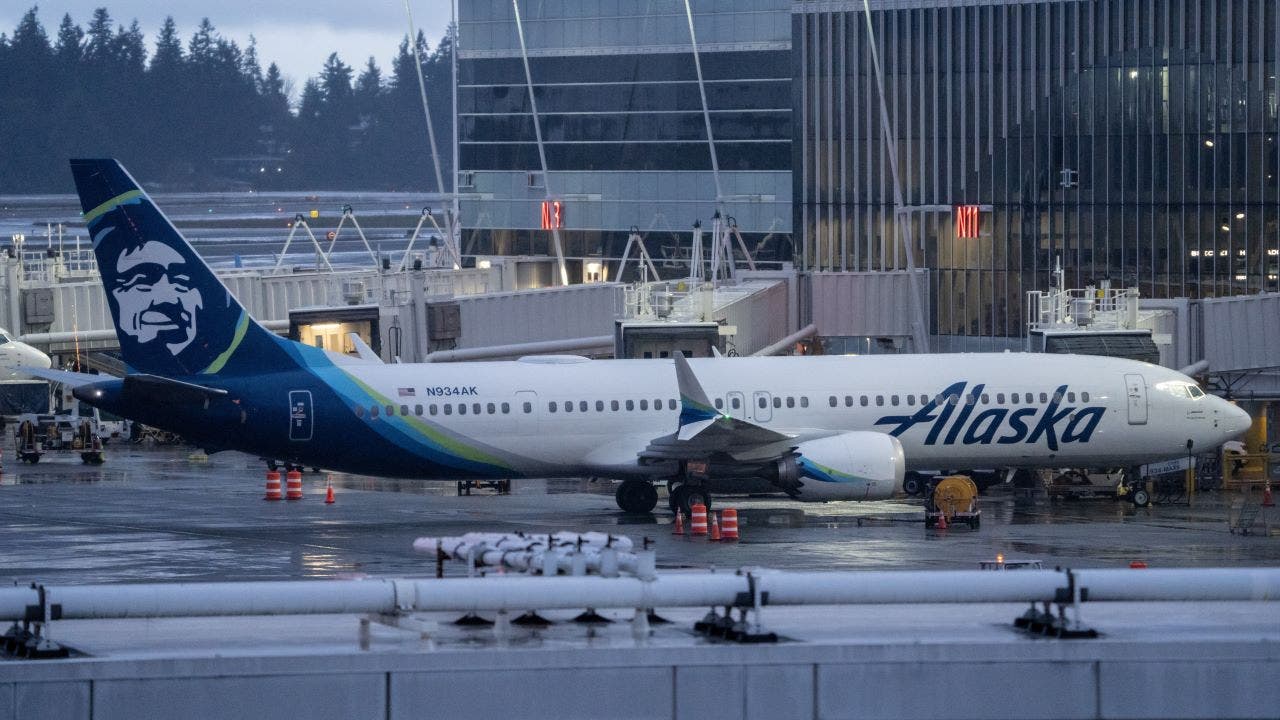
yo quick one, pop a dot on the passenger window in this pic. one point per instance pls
(551, 406)
(448, 409)
(644, 404)
(528, 408)
(599, 406)
(671, 404)
(631, 405)
(1044, 397)
(953, 399)
(999, 398)
(911, 399)
(1085, 396)
(879, 401)
(359, 411)
(462, 408)
(985, 398)
(373, 411)
(417, 410)
(764, 403)
(404, 409)
(582, 406)
(568, 406)
(391, 410)
(864, 401)
(1071, 397)
(804, 401)
(657, 404)
(924, 399)
(832, 401)
(491, 408)
(506, 408)
(848, 401)
(1030, 398)
(613, 405)
(791, 402)
(735, 403)
(719, 403)
(777, 402)
(893, 400)
(475, 408)
(433, 409)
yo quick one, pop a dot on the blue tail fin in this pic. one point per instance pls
(173, 316)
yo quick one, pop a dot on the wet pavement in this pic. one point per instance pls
(154, 513)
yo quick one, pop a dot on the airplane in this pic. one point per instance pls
(15, 354)
(817, 428)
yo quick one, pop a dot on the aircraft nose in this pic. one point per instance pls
(1235, 420)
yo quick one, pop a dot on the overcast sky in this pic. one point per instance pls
(297, 36)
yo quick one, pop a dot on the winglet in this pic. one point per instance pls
(363, 350)
(694, 405)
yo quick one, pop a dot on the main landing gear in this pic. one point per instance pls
(682, 496)
(636, 496)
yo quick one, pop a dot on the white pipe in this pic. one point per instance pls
(786, 342)
(671, 590)
(598, 342)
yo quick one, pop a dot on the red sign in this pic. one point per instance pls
(966, 217)
(552, 215)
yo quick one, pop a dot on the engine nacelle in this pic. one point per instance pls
(849, 466)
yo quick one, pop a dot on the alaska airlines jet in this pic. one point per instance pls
(818, 428)
(15, 354)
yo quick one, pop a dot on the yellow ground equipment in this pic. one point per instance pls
(955, 497)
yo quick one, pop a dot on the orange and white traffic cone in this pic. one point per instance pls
(273, 486)
(699, 524)
(328, 494)
(678, 527)
(729, 529)
(942, 521)
(293, 485)
(715, 528)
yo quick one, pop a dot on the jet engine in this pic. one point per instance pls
(849, 466)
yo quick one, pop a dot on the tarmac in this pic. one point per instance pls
(159, 514)
(156, 514)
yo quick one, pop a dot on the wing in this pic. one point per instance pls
(66, 377)
(704, 431)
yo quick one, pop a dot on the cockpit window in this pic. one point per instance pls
(4, 338)
(1195, 391)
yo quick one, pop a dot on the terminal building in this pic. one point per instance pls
(1134, 143)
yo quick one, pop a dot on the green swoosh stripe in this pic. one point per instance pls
(111, 204)
(242, 326)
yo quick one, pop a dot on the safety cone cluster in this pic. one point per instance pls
(698, 526)
(273, 486)
(293, 485)
(729, 525)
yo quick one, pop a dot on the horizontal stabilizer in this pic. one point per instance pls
(153, 386)
(66, 377)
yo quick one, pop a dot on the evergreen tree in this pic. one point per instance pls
(100, 48)
(69, 48)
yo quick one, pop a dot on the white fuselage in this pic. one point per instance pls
(15, 354)
(571, 416)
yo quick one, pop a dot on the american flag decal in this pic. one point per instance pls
(406, 392)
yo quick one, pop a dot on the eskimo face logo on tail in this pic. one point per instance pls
(156, 301)
(950, 418)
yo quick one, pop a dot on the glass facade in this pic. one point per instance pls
(620, 112)
(1134, 140)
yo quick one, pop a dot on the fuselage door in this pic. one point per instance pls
(762, 406)
(301, 417)
(525, 408)
(1136, 392)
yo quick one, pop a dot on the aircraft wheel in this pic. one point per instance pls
(912, 484)
(694, 495)
(636, 496)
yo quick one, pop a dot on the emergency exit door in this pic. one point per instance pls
(300, 415)
(1136, 392)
